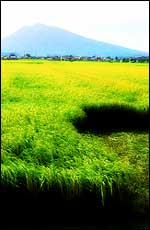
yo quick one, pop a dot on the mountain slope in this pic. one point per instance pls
(47, 40)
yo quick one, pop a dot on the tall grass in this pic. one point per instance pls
(42, 149)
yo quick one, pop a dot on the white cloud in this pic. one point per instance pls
(119, 22)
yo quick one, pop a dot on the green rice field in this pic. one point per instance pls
(44, 105)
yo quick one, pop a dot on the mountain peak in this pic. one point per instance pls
(42, 40)
(39, 25)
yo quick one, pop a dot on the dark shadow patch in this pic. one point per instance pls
(106, 119)
(22, 208)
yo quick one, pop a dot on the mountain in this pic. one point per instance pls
(42, 40)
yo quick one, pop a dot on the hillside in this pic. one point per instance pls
(41, 40)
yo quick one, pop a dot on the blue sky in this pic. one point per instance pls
(124, 23)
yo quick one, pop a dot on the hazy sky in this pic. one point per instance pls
(124, 23)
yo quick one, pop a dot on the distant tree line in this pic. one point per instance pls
(14, 56)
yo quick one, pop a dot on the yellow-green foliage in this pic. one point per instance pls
(40, 146)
